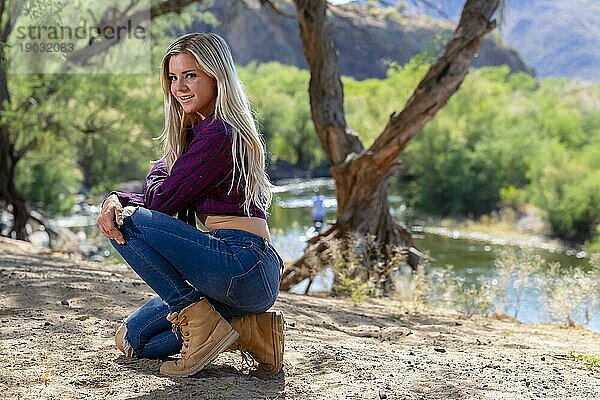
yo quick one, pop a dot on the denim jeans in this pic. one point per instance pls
(236, 271)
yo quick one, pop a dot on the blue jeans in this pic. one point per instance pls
(236, 271)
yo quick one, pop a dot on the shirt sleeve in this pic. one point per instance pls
(206, 162)
(157, 174)
(155, 177)
(128, 199)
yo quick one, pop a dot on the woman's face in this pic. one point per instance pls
(192, 87)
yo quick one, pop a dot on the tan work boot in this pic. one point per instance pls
(262, 336)
(205, 334)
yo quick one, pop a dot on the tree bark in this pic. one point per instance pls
(362, 175)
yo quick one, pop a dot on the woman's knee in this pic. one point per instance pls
(142, 325)
(134, 218)
(131, 214)
(128, 211)
(122, 341)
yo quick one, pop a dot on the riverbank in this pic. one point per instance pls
(58, 316)
(505, 228)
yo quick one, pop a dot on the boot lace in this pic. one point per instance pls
(178, 324)
(248, 358)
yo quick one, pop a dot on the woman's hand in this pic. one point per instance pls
(112, 212)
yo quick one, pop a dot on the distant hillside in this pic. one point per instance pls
(556, 37)
(559, 38)
(368, 38)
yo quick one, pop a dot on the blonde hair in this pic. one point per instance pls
(213, 56)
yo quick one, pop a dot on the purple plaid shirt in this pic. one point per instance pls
(199, 181)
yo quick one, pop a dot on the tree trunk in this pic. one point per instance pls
(8, 192)
(362, 175)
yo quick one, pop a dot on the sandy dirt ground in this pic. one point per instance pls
(58, 316)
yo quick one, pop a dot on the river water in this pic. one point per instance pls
(291, 223)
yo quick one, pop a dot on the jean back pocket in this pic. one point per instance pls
(253, 291)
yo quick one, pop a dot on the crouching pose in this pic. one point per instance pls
(214, 287)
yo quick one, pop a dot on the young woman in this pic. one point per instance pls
(213, 287)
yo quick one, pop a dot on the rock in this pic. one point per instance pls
(67, 241)
(39, 239)
(87, 249)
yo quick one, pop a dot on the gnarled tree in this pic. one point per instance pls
(362, 174)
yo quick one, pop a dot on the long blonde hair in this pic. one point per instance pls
(213, 56)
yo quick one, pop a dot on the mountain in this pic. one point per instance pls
(556, 37)
(367, 37)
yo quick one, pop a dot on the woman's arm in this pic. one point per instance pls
(156, 175)
(206, 163)
(111, 215)
(128, 199)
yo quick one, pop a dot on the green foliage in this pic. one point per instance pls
(473, 147)
(503, 139)
(592, 245)
(48, 177)
(512, 197)
(280, 98)
(90, 130)
(589, 360)
(115, 127)
(566, 185)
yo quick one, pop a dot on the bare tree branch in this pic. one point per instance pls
(441, 81)
(362, 176)
(170, 6)
(18, 154)
(80, 57)
(269, 4)
(10, 21)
